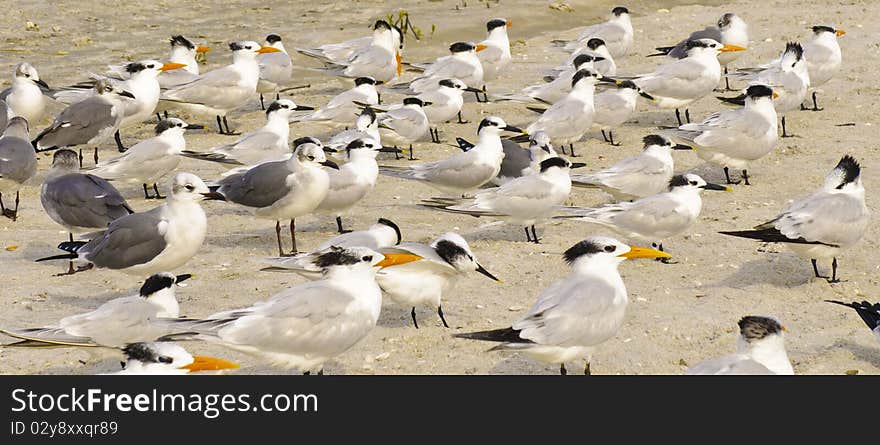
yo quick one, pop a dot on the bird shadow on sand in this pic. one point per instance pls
(864, 353)
(780, 270)
(517, 364)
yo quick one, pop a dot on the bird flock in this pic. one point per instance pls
(521, 175)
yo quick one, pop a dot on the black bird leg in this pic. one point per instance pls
(726, 80)
(571, 149)
(396, 155)
(442, 318)
(278, 97)
(219, 125)
(834, 271)
(603, 136)
(727, 176)
(745, 177)
(146, 194)
(413, 313)
(262, 105)
(119, 146)
(228, 131)
(460, 121)
(435, 135)
(70, 270)
(339, 225)
(562, 370)
(587, 369)
(528, 235)
(611, 138)
(80, 158)
(816, 104)
(785, 134)
(687, 115)
(816, 269)
(411, 158)
(293, 237)
(678, 117)
(535, 236)
(156, 189)
(278, 237)
(96, 155)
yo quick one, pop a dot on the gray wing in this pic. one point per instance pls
(830, 218)
(78, 124)
(82, 200)
(129, 241)
(709, 32)
(205, 88)
(18, 161)
(260, 186)
(515, 159)
(5, 112)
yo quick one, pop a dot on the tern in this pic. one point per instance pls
(185, 52)
(567, 120)
(276, 68)
(406, 122)
(164, 358)
(343, 107)
(617, 33)
(760, 350)
(615, 106)
(445, 103)
(823, 57)
(495, 55)
(379, 60)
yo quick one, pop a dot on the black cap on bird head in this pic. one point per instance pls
(581, 74)
(755, 91)
(691, 44)
(460, 47)
(273, 38)
(236, 46)
(620, 10)
(796, 49)
(678, 181)
(594, 43)
(495, 23)
(134, 67)
(382, 24)
(364, 80)
(655, 139)
(142, 352)
(847, 170)
(818, 29)
(585, 58)
(306, 140)
(627, 84)
(158, 282)
(725, 19)
(336, 256)
(756, 328)
(413, 101)
(554, 162)
(585, 247)
(180, 40)
(389, 223)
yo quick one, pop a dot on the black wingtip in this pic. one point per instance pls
(738, 100)
(505, 335)
(771, 235)
(870, 312)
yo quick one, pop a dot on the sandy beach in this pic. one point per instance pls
(678, 314)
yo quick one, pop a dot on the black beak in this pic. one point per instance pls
(214, 196)
(425, 104)
(195, 127)
(330, 150)
(331, 164)
(474, 90)
(485, 272)
(390, 150)
(379, 82)
(183, 277)
(513, 129)
(646, 95)
(546, 148)
(605, 79)
(711, 186)
(303, 108)
(578, 165)
(126, 94)
(42, 84)
(682, 147)
(598, 58)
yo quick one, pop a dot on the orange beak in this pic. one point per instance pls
(209, 364)
(202, 49)
(508, 23)
(268, 49)
(775, 95)
(171, 66)
(396, 259)
(644, 252)
(399, 64)
(840, 32)
(481, 47)
(731, 48)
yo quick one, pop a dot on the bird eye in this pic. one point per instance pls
(610, 249)
(693, 182)
(189, 187)
(27, 75)
(793, 64)
(167, 360)
(368, 258)
(311, 158)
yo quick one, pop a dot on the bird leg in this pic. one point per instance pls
(219, 125)
(119, 146)
(834, 278)
(678, 117)
(435, 135)
(262, 105)
(571, 149)
(460, 121)
(442, 318)
(396, 155)
(80, 158)
(156, 189)
(535, 236)
(293, 236)
(587, 369)
(815, 104)
(6, 212)
(727, 176)
(413, 314)
(562, 370)
(726, 80)
(745, 177)
(72, 271)
(278, 237)
(278, 97)
(603, 135)
(411, 158)
(528, 235)
(339, 225)
(96, 155)
(816, 269)
(146, 194)
(784, 133)
(228, 131)
(611, 138)
(687, 115)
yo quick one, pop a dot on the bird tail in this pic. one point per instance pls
(72, 247)
(303, 264)
(45, 337)
(771, 235)
(454, 205)
(315, 54)
(662, 51)
(869, 312)
(212, 157)
(584, 181)
(397, 172)
(193, 328)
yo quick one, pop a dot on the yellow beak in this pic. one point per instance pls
(399, 64)
(775, 95)
(268, 49)
(202, 49)
(508, 23)
(840, 32)
(731, 48)
(209, 364)
(171, 66)
(644, 252)
(481, 47)
(396, 259)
